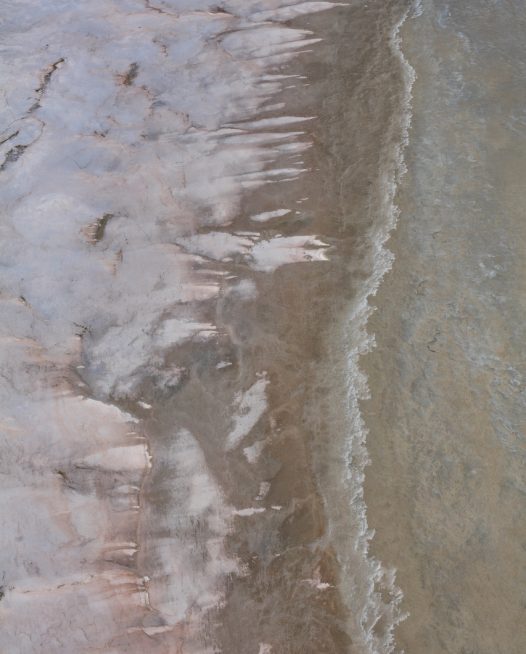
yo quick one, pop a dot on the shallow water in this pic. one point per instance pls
(447, 415)
(196, 204)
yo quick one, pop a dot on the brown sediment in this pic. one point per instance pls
(131, 74)
(294, 595)
(445, 491)
(95, 231)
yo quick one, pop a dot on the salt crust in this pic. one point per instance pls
(131, 130)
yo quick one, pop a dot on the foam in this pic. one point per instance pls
(365, 580)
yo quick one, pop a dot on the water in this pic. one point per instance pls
(197, 205)
(446, 418)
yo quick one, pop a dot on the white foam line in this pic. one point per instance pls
(367, 606)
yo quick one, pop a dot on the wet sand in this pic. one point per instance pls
(310, 586)
(445, 491)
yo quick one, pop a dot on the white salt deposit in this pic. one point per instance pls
(268, 215)
(249, 407)
(245, 289)
(270, 255)
(216, 245)
(253, 452)
(249, 511)
(127, 144)
(194, 584)
(264, 488)
(288, 12)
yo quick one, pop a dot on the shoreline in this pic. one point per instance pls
(314, 423)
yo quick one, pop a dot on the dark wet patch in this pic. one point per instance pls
(11, 136)
(82, 329)
(131, 75)
(45, 82)
(48, 75)
(100, 226)
(95, 231)
(13, 155)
